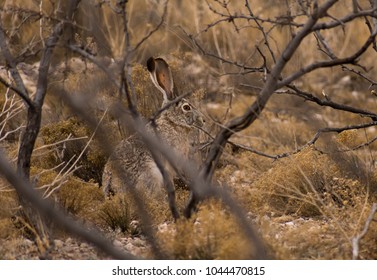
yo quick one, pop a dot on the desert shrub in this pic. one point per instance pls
(122, 207)
(304, 185)
(212, 233)
(80, 198)
(116, 213)
(347, 138)
(92, 160)
(74, 195)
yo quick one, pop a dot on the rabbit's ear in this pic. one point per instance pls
(161, 76)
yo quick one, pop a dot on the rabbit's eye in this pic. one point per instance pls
(186, 107)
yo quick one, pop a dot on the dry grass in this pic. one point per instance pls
(116, 213)
(216, 236)
(306, 206)
(10, 204)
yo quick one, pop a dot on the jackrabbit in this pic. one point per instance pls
(175, 126)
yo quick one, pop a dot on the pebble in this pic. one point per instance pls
(117, 243)
(58, 243)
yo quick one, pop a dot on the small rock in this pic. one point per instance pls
(58, 243)
(130, 247)
(117, 243)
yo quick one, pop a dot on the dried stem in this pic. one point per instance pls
(356, 240)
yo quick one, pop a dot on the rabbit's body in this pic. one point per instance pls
(135, 162)
(137, 168)
(132, 164)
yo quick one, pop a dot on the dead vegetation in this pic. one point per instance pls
(307, 199)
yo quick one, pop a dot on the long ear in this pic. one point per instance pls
(161, 77)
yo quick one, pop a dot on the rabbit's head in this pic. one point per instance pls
(183, 111)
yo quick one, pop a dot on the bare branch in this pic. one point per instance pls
(328, 103)
(45, 64)
(329, 63)
(260, 27)
(19, 92)
(337, 130)
(110, 75)
(271, 85)
(359, 73)
(235, 63)
(342, 21)
(21, 89)
(156, 28)
(356, 239)
(313, 141)
(60, 142)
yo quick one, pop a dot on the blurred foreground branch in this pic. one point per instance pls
(48, 210)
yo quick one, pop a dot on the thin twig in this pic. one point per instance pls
(356, 239)
(328, 103)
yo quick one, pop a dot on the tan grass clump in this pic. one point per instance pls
(305, 184)
(116, 213)
(352, 139)
(74, 195)
(212, 233)
(67, 140)
(80, 198)
(121, 210)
